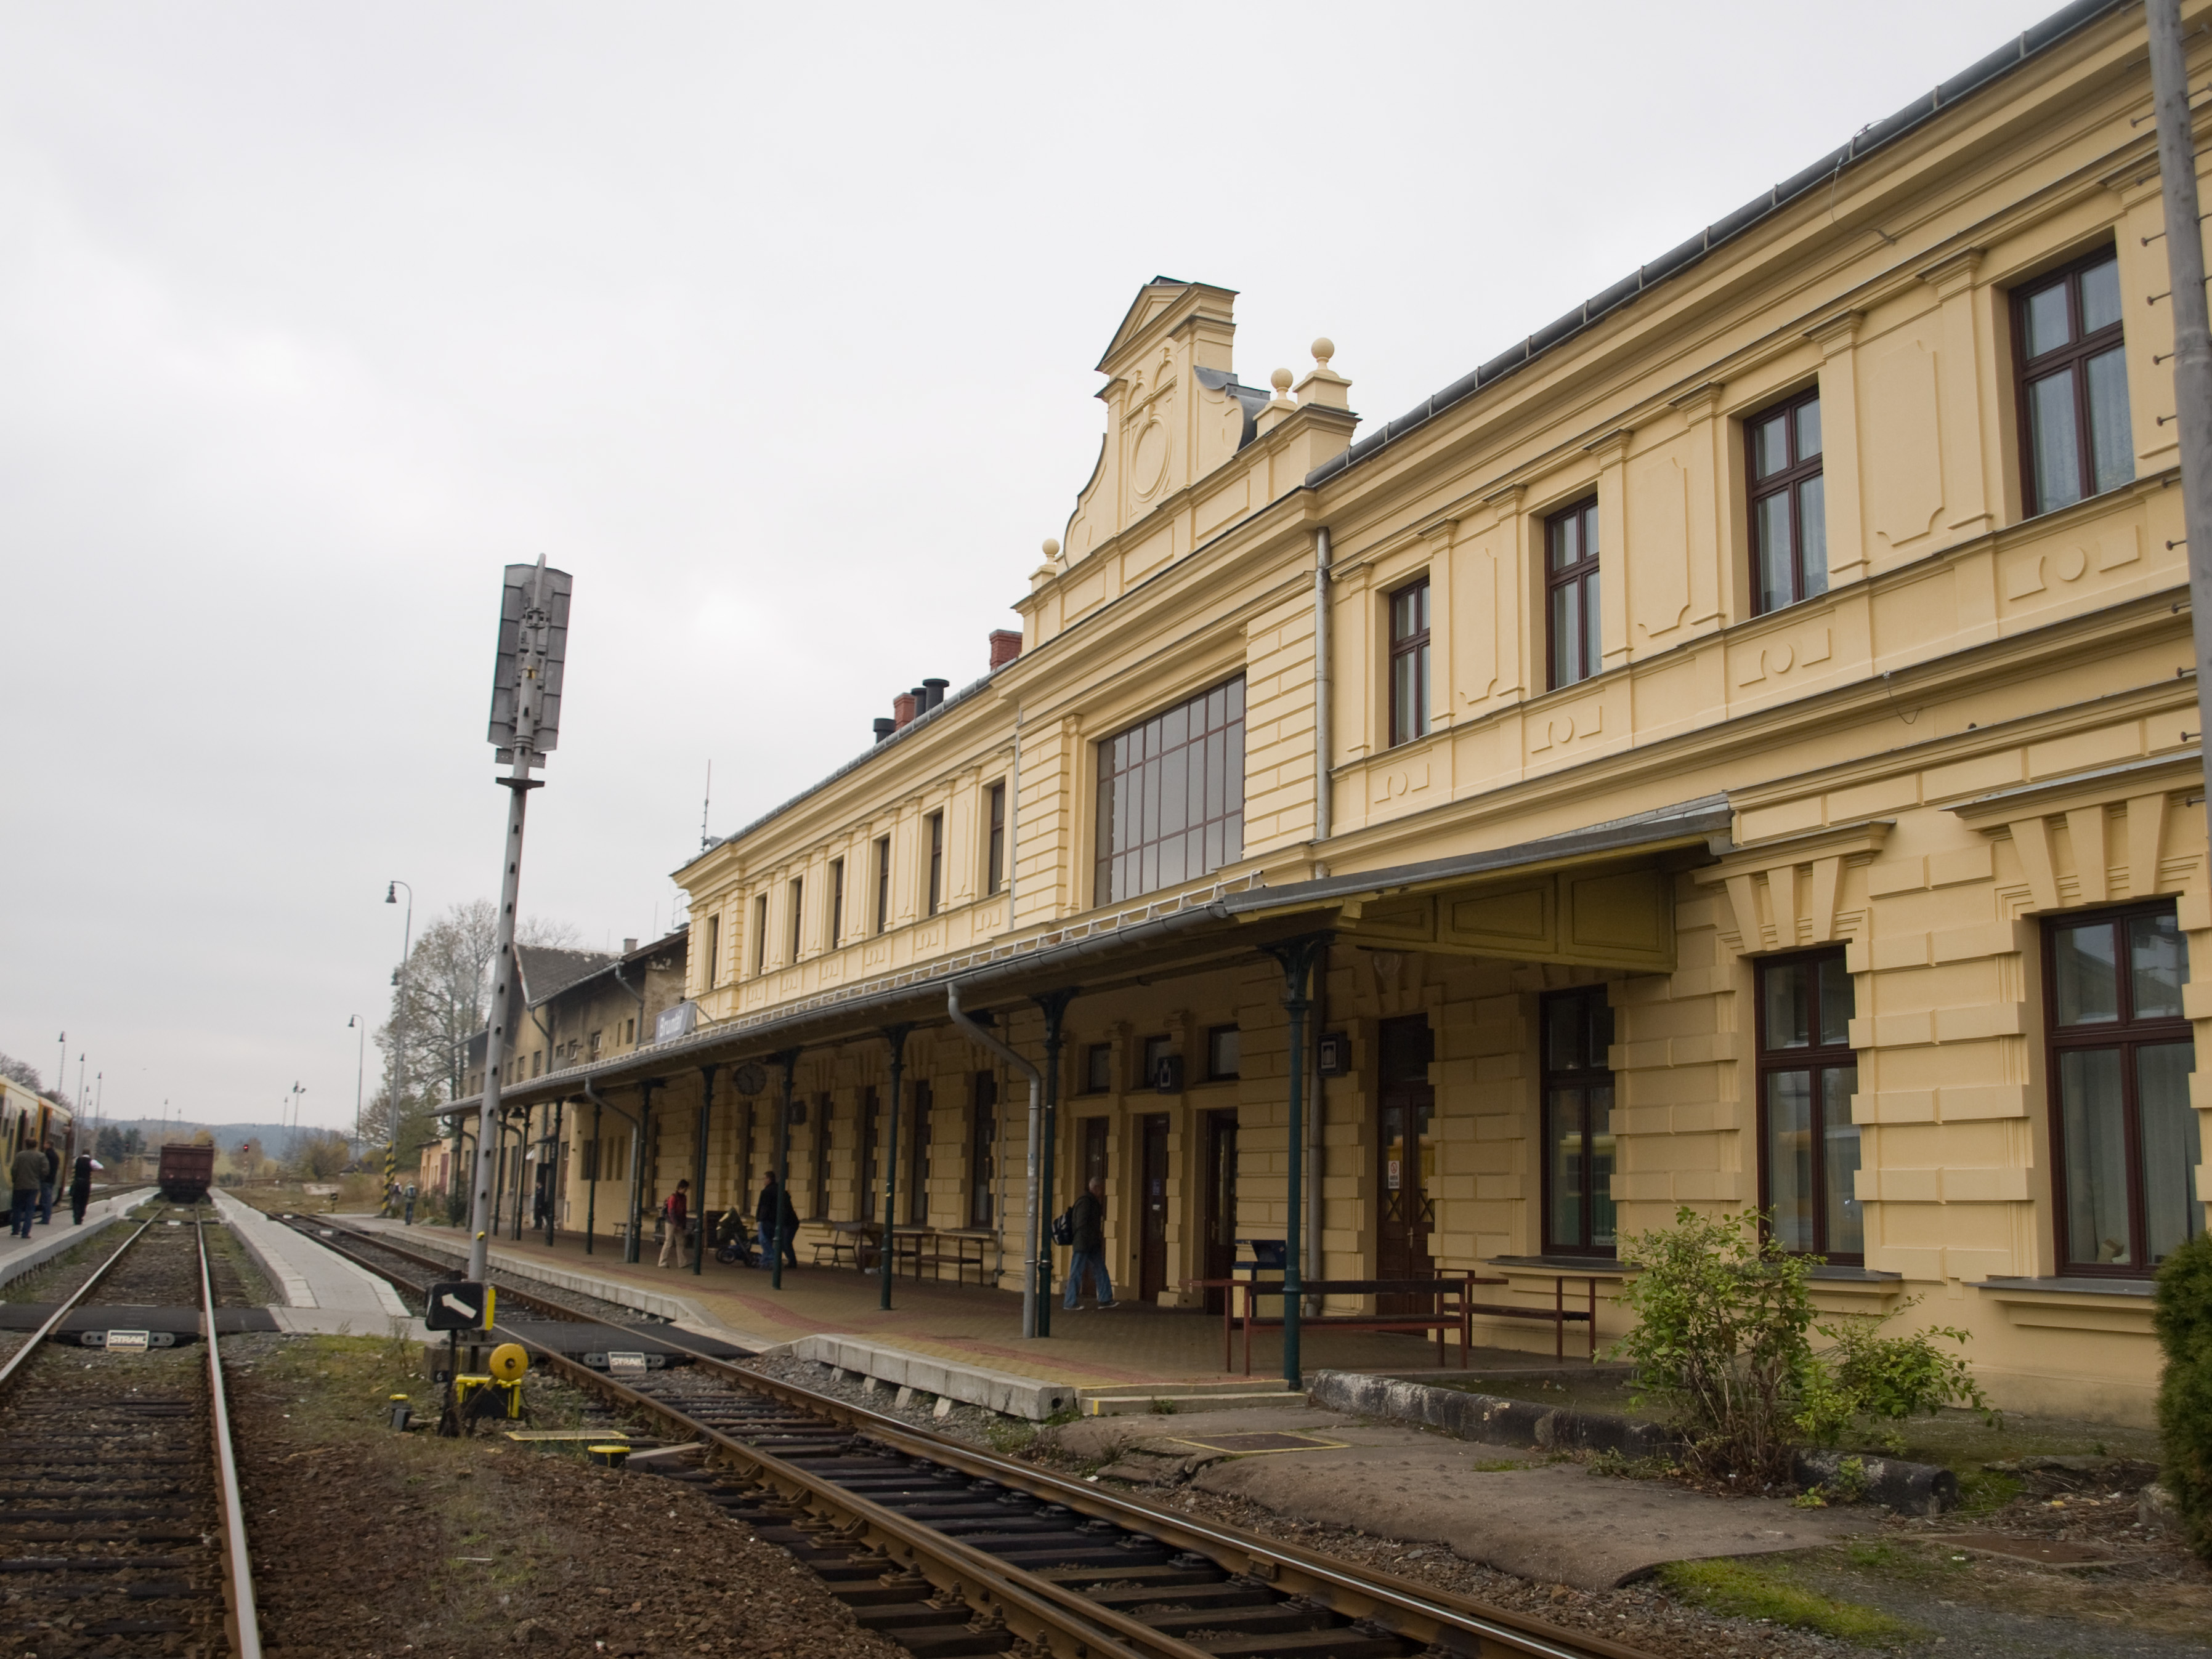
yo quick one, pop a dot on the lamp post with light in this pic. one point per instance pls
(354, 1021)
(399, 1024)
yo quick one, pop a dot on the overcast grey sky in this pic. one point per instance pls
(774, 325)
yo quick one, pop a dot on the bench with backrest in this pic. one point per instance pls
(849, 1243)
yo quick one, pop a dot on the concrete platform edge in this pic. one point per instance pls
(15, 1267)
(279, 1272)
(975, 1385)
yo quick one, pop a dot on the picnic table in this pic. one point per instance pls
(1453, 1307)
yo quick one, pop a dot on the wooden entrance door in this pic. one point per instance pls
(1219, 1228)
(1152, 1247)
(1406, 1170)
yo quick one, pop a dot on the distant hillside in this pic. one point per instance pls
(275, 1138)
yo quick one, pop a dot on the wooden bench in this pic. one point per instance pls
(1449, 1296)
(1558, 1313)
(949, 1248)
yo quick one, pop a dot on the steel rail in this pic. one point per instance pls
(1415, 1611)
(1034, 1608)
(244, 1621)
(21, 1357)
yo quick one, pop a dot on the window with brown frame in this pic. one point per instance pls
(1808, 1147)
(760, 931)
(818, 1199)
(883, 882)
(1172, 795)
(1578, 1139)
(936, 861)
(836, 904)
(1571, 613)
(1098, 1068)
(1789, 513)
(1224, 1046)
(797, 913)
(2075, 436)
(995, 855)
(714, 947)
(1409, 662)
(917, 1156)
(2124, 1136)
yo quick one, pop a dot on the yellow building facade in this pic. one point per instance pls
(1738, 748)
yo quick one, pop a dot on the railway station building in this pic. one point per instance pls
(1666, 827)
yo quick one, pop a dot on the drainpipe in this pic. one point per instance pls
(1324, 741)
(978, 1034)
(1013, 815)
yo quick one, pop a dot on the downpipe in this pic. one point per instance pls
(983, 1038)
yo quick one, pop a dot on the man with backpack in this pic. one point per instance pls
(675, 1212)
(777, 1219)
(1087, 1233)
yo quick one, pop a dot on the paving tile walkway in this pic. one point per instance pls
(322, 1292)
(1089, 1349)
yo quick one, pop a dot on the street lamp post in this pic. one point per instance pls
(399, 1025)
(360, 1069)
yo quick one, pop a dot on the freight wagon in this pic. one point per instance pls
(186, 1172)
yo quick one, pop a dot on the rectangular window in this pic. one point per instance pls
(1098, 1068)
(2075, 435)
(798, 914)
(1571, 585)
(870, 1154)
(1788, 514)
(936, 861)
(2120, 1053)
(1221, 1053)
(1579, 1145)
(760, 931)
(588, 1165)
(1156, 1051)
(1171, 796)
(836, 903)
(714, 947)
(883, 882)
(995, 855)
(1409, 662)
(592, 1046)
(1809, 1147)
(982, 1148)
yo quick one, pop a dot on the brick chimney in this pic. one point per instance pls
(1005, 645)
(903, 708)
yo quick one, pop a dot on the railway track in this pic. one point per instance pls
(120, 1522)
(950, 1549)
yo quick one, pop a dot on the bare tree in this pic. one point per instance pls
(20, 1071)
(320, 1155)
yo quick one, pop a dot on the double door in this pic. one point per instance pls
(1406, 1170)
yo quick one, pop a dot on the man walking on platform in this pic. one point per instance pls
(80, 1191)
(675, 1212)
(53, 1167)
(24, 1171)
(1087, 1222)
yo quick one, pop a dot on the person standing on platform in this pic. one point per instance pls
(1087, 1221)
(765, 1217)
(789, 1229)
(80, 1188)
(675, 1212)
(411, 1204)
(53, 1166)
(24, 1171)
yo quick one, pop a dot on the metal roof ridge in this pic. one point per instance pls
(2031, 42)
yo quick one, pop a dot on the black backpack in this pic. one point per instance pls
(1063, 1226)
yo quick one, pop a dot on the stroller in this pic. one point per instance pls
(733, 1241)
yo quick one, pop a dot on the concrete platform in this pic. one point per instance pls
(323, 1291)
(1499, 1505)
(973, 1385)
(57, 1237)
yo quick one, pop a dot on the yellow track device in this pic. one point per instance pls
(509, 1362)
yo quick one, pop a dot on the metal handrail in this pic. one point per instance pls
(238, 1566)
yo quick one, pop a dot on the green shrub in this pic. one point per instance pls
(2184, 1320)
(1721, 1339)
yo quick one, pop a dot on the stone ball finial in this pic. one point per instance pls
(1280, 379)
(1051, 547)
(1323, 349)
